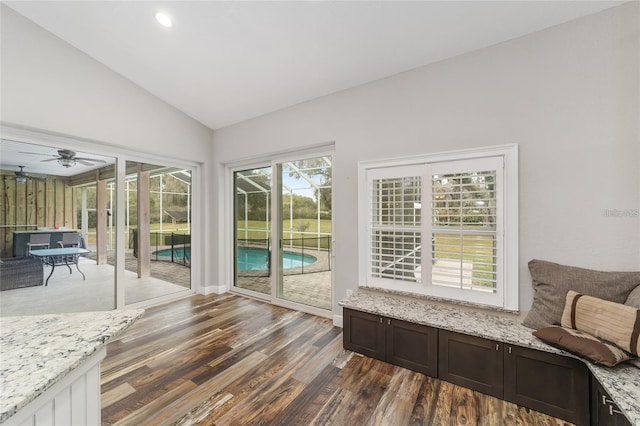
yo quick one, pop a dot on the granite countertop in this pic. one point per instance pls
(37, 351)
(621, 382)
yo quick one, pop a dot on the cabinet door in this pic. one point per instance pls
(604, 412)
(472, 362)
(364, 333)
(550, 383)
(412, 346)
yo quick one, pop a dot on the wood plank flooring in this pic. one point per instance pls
(229, 360)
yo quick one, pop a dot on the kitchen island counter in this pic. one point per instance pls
(39, 352)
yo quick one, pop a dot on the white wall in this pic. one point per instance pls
(48, 85)
(567, 95)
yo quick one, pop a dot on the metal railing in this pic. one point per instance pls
(165, 247)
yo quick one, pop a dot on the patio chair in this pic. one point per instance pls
(69, 239)
(38, 241)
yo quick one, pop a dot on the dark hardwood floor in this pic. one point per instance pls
(229, 360)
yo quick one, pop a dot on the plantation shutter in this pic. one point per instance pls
(396, 234)
(464, 224)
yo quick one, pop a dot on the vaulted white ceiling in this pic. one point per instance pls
(223, 62)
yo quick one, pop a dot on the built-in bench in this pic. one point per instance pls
(618, 388)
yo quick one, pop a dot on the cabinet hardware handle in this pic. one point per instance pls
(604, 399)
(509, 349)
(613, 411)
(388, 322)
(380, 320)
(497, 347)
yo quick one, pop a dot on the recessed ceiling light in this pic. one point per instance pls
(164, 19)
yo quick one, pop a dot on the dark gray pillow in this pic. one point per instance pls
(634, 298)
(552, 281)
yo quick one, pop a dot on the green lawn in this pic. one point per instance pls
(476, 248)
(295, 230)
(167, 228)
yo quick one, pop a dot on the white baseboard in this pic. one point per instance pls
(213, 289)
(337, 321)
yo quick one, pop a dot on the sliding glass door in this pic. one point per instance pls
(252, 214)
(157, 231)
(283, 237)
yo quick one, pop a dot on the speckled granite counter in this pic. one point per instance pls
(622, 382)
(38, 351)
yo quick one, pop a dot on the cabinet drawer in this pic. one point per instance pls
(472, 362)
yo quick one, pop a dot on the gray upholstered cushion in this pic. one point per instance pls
(552, 281)
(634, 298)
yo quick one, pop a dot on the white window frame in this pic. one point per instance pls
(506, 294)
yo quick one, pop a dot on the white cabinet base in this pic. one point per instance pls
(74, 400)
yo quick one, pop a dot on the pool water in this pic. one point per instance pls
(255, 259)
(249, 258)
(178, 253)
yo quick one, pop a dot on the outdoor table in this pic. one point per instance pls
(60, 256)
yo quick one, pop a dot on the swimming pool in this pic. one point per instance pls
(178, 252)
(255, 259)
(249, 258)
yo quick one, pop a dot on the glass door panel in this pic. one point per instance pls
(252, 226)
(305, 232)
(157, 231)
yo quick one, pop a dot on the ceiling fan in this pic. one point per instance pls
(67, 158)
(21, 176)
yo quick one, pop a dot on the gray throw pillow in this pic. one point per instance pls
(552, 281)
(634, 298)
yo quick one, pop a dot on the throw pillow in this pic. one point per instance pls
(552, 281)
(634, 298)
(583, 345)
(613, 322)
(635, 362)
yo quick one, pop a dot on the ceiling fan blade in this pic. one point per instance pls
(83, 162)
(50, 159)
(95, 160)
(37, 153)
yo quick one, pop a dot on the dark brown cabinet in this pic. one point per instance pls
(545, 382)
(401, 343)
(471, 362)
(364, 333)
(558, 385)
(604, 412)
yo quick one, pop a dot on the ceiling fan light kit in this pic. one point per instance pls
(67, 162)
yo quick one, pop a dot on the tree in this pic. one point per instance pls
(315, 167)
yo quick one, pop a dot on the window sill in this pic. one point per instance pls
(440, 300)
